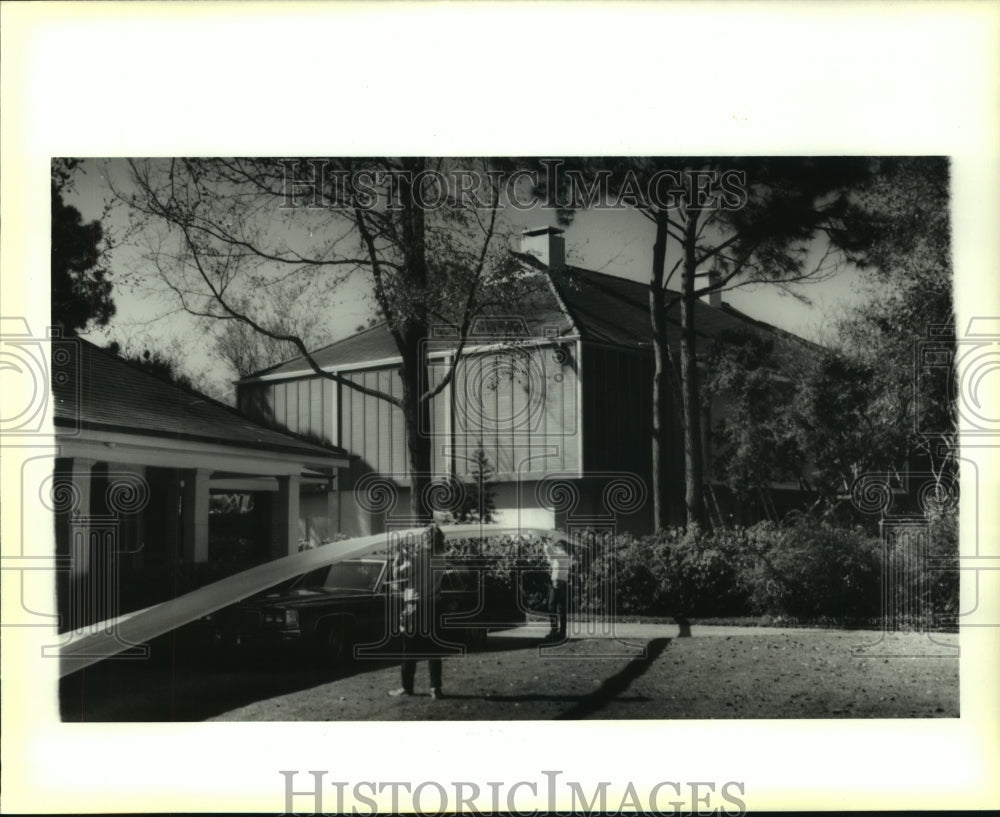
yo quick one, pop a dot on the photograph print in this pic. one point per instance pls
(495, 439)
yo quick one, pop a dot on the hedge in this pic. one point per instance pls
(515, 572)
(805, 571)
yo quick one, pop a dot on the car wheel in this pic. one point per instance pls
(335, 645)
(478, 640)
(226, 651)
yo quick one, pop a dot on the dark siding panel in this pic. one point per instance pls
(617, 410)
(358, 424)
(346, 429)
(440, 438)
(464, 410)
(372, 427)
(475, 404)
(503, 418)
(528, 384)
(468, 407)
(370, 446)
(305, 405)
(383, 429)
(594, 382)
(279, 403)
(400, 456)
(256, 400)
(495, 400)
(568, 433)
(292, 406)
(328, 411)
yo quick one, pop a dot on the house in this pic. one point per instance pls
(557, 393)
(145, 475)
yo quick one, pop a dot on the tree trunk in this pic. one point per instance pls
(416, 413)
(417, 422)
(694, 497)
(662, 378)
(661, 416)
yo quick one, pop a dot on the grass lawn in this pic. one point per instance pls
(806, 674)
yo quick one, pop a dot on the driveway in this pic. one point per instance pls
(644, 671)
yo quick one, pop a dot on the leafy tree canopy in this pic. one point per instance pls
(752, 444)
(81, 287)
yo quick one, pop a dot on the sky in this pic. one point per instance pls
(615, 242)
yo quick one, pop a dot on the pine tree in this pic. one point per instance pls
(475, 499)
(483, 498)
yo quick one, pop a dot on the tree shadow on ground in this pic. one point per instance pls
(613, 687)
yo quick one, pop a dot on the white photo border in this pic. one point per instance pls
(147, 79)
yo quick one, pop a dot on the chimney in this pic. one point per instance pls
(546, 244)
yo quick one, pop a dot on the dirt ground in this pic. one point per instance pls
(730, 673)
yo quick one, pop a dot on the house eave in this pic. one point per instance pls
(383, 363)
(170, 451)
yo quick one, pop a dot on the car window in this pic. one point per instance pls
(345, 575)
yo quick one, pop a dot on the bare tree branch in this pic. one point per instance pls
(233, 314)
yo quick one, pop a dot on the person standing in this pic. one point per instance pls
(421, 585)
(559, 561)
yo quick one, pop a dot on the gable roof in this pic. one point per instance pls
(538, 315)
(368, 345)
(612, 310)
(576, 302)
(104, 392)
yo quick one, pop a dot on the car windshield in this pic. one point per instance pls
(343, 576)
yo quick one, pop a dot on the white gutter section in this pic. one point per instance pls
(107, 638)
(381, 363)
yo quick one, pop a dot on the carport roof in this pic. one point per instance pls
(100, 391)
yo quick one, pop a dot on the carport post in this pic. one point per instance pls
(285, 523)
(80, 475)
(195, 520)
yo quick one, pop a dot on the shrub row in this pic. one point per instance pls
(515, 572)
(806, 571)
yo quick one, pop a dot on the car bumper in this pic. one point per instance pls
(260, 640)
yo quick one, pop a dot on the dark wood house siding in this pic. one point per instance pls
(617, 389)
(618, 423)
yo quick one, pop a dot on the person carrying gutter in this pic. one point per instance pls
(421, 584)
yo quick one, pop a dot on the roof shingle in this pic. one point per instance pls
(105, 392)
(595, 306)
